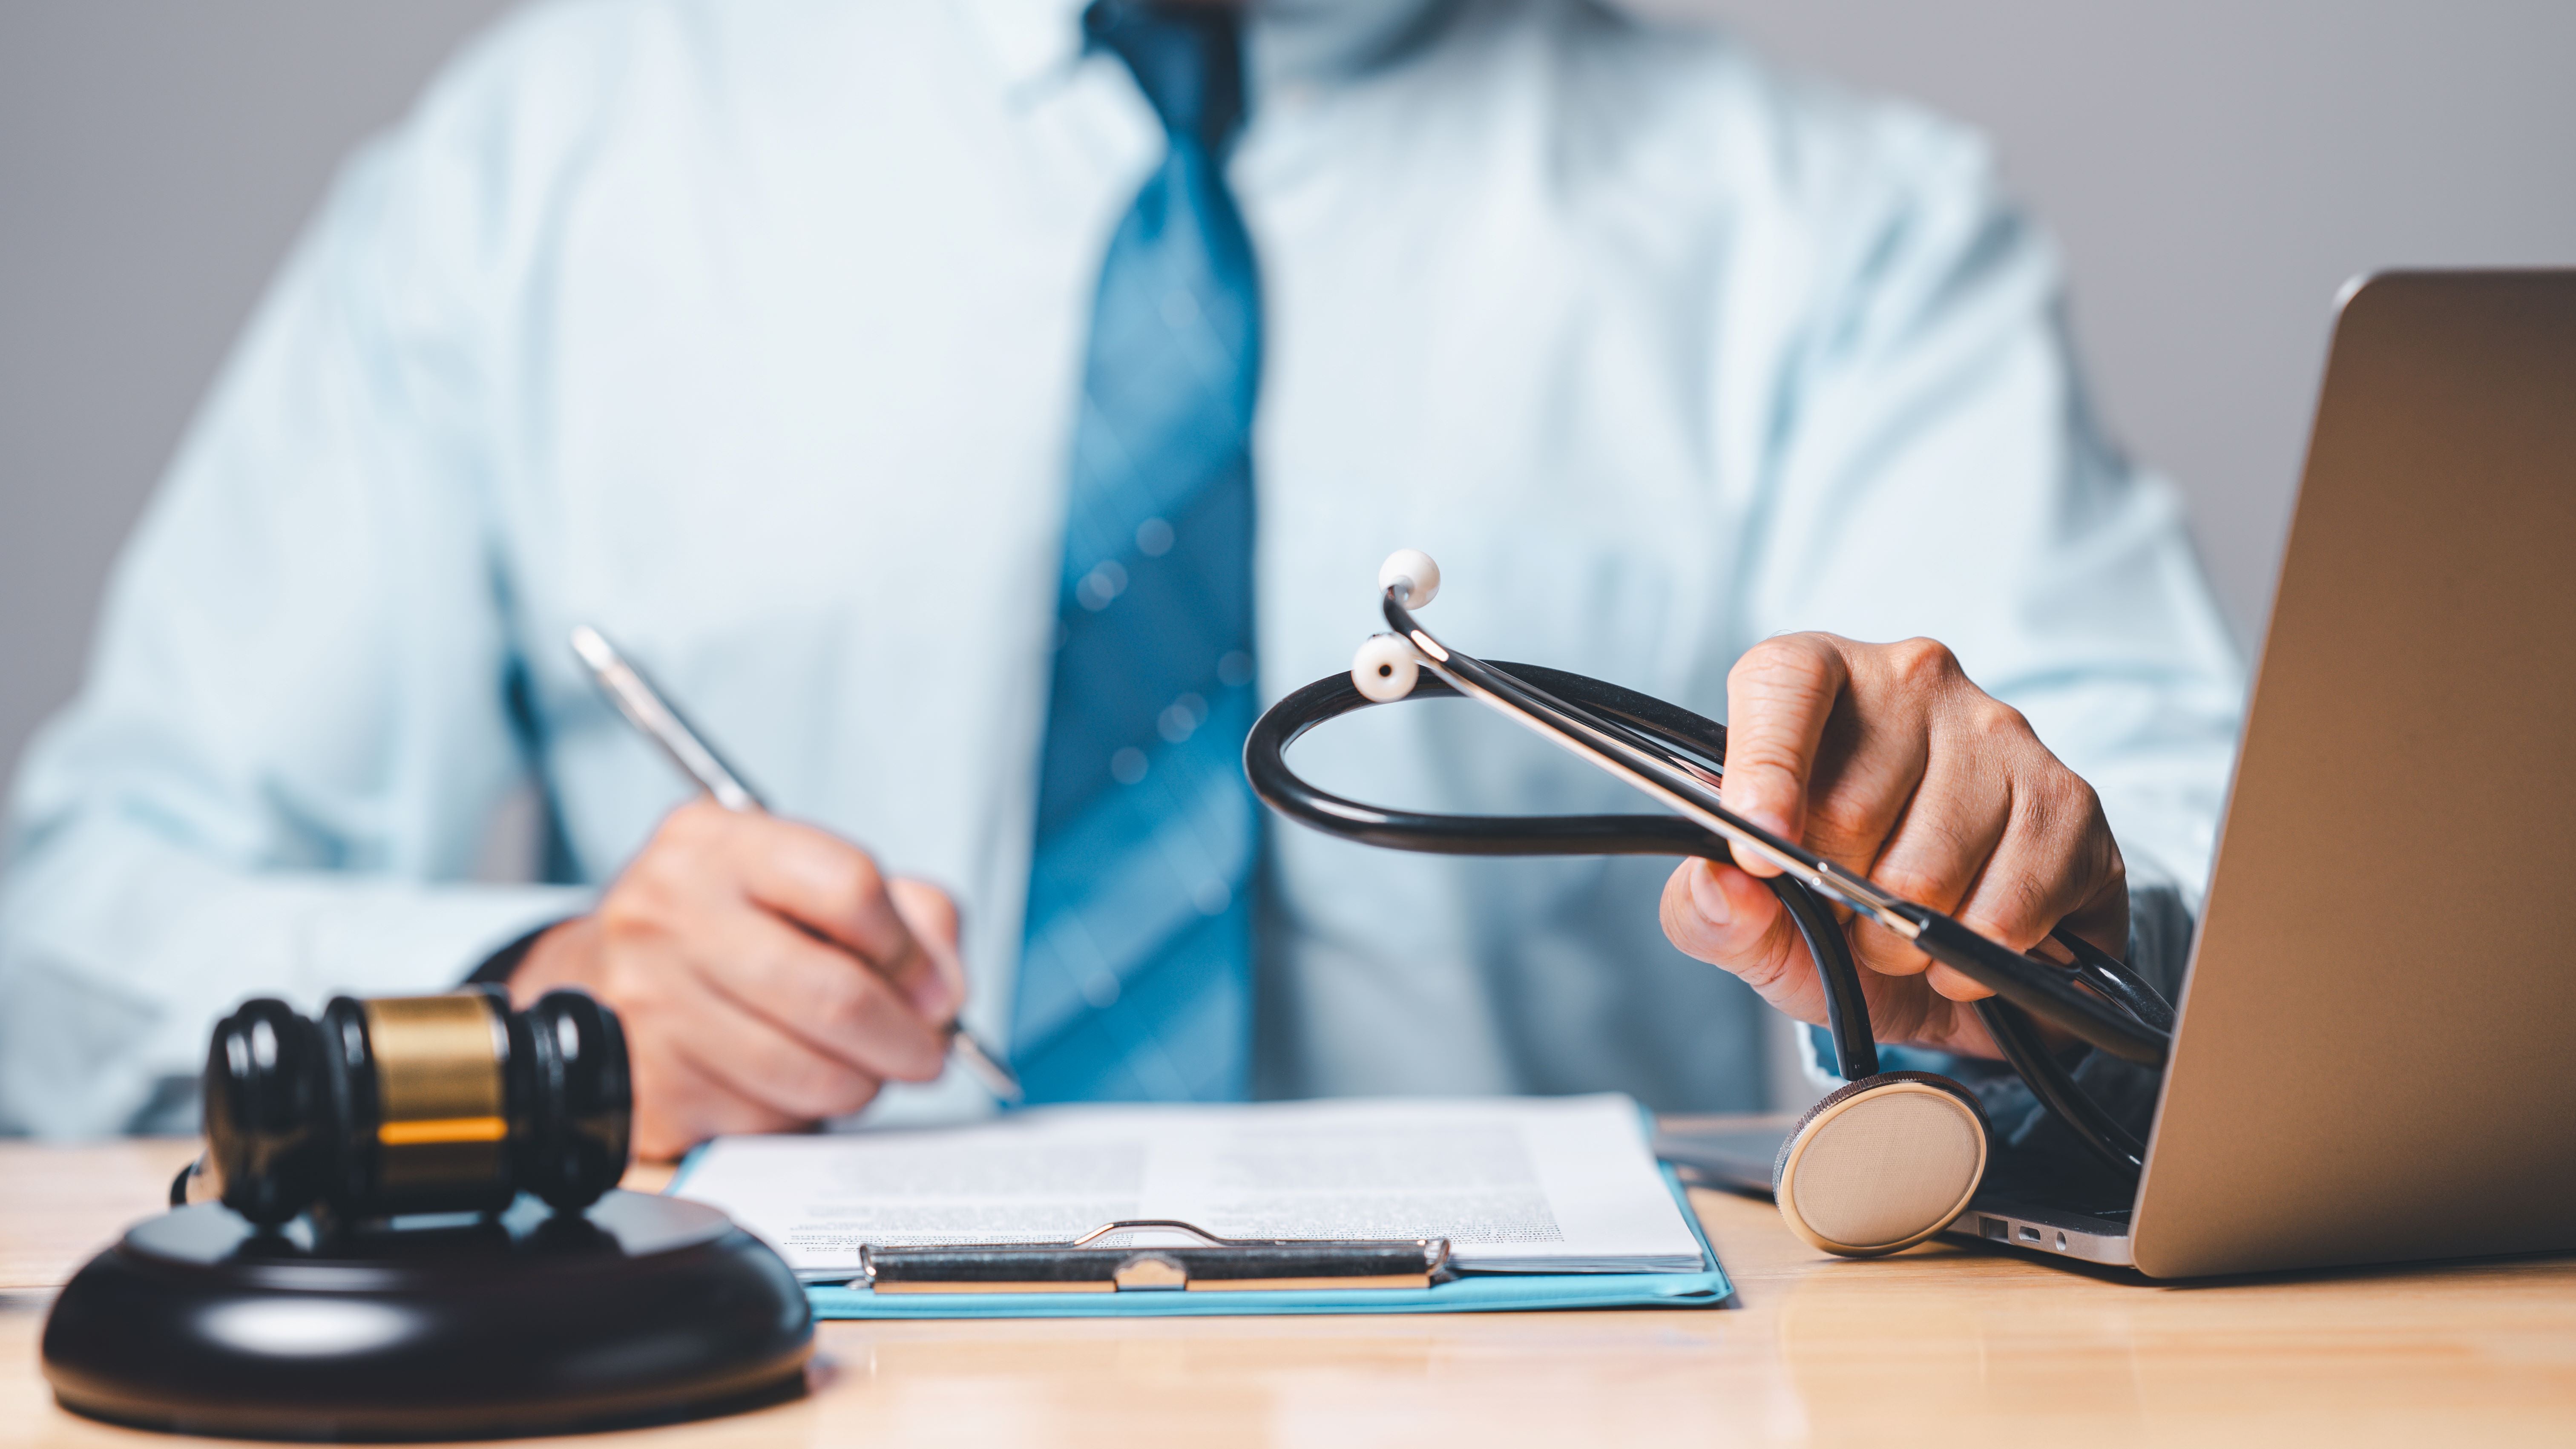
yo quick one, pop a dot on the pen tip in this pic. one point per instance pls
(592, 646)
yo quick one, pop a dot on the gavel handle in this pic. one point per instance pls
(185, 1184)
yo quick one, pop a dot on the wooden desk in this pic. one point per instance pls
(1940, 1346)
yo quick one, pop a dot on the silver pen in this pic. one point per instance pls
(646, 709)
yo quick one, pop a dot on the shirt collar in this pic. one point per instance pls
(1034, 42)
(1037, 43)
(1319, 41)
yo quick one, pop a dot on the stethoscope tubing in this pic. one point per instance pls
(1687, 788)
(1668, 733)
(1846, 1010)
(1667, 726)
(1332, 697)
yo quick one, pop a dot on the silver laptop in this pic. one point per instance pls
(2376, 1059)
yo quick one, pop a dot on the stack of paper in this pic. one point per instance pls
(1517, 1185)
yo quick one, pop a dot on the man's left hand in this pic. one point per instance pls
(1887, 760)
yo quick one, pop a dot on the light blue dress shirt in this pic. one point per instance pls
(751, 332)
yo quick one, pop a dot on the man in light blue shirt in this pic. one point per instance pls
(758, 336)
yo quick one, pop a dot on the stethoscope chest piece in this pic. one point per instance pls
(1881, 1164)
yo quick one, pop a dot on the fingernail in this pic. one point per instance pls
(1710, 896)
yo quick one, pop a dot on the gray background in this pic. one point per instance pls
(2215, 167)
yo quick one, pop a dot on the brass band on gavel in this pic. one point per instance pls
(441, 1104)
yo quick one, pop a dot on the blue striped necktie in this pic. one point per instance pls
(1136, 975)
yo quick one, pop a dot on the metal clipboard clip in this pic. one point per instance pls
(1215, 1265)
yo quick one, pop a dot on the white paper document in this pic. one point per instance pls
(1541, 1185)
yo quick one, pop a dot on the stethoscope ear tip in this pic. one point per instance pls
(1415, 570)
(1386, 668)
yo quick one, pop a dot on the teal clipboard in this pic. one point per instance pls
(1708, 1287)
(1468, 1293)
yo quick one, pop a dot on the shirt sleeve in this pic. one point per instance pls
(1940, 473)
(297, 718)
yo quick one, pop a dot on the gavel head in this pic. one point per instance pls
(416, 1104)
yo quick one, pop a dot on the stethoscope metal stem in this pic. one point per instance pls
(1685, 787)
(1652, 772)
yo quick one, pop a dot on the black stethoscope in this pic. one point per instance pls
(1888, 1159)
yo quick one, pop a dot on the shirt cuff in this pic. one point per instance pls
(496, 968)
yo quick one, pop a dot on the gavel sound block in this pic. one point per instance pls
(414, 1233)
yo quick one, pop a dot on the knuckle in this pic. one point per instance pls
(818, 1088)
(1785, 663)
(654, 886)
(2063, 812)
(844, 1004)
(2019, 914)
(933, 907)
(2109, 866)
(1992, 719)
(640, 899)
(1759, 754)
(1839, 822)
(1919, 663)
(692, 826)
(2014, 908)
(1939, 855)
(928, 1059)
(620, 914)
(861, 877)
(1883, 953)
(636, 992)
(2083, 804)
(1913, 882)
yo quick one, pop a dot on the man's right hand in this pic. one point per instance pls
(767, 974)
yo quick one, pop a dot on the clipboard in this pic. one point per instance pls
(1454, 1292)
(1408, 1277)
